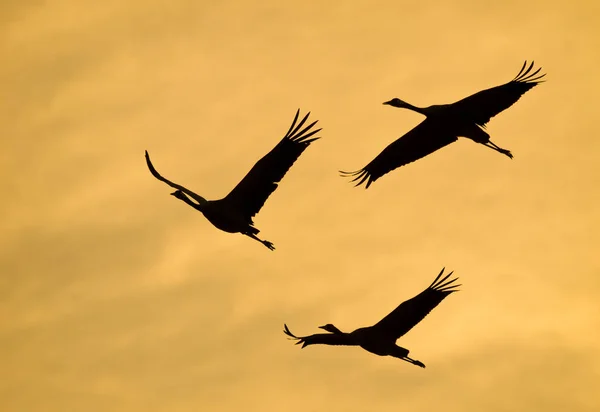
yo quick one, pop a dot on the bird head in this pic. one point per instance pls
(178, 194)
(330, 328)
(396, 103)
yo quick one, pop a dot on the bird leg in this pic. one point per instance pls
(497, 148)
(413, 361)
(264, 242)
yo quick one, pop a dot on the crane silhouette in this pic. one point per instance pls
(380, 338)
(235, 211)
(445, 123)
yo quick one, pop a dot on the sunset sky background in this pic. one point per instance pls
(115, 296)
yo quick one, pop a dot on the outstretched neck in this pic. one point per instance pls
(395, 102)
(414, 108)
(338, 338)
(190, 202)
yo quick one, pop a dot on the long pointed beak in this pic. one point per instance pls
(388, 102)
(322, 327)
(173, 194)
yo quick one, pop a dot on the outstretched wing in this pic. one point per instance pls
(424, 139)
(409, 313)
(250, 194)
(318, 338)
(482, 106)
(157, 175)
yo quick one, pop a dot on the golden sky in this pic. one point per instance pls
(115, 296)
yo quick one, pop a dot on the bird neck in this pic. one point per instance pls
(343, 338)
(414, 108)
(190, 202)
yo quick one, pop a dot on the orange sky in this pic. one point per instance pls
(114, 296)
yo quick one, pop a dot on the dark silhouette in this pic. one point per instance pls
(445, 123)
(234, 212)
(380, 338)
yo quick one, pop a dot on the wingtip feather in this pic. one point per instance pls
(436, 278)
(443, 284)
(525, 75)
(361, 176)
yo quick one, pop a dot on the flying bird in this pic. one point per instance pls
(445, 123)
(380, 338)
(235, 211)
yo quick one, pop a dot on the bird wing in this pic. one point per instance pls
(482, 106)
(254, 189)
(409, 313)
(318, 338)
(424, 139)
(157, 175)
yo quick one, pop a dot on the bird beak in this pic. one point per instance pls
(173, 194)
(389, 102)
(322, 327)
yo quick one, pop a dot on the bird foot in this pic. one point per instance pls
(268, 244)
(506, 152)
(419, 363)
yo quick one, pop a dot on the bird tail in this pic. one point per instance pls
(287, 331)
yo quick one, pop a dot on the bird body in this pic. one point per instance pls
(220, 214)
(445, 123)
(380, 339)
(234, 212)
(374, 342)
